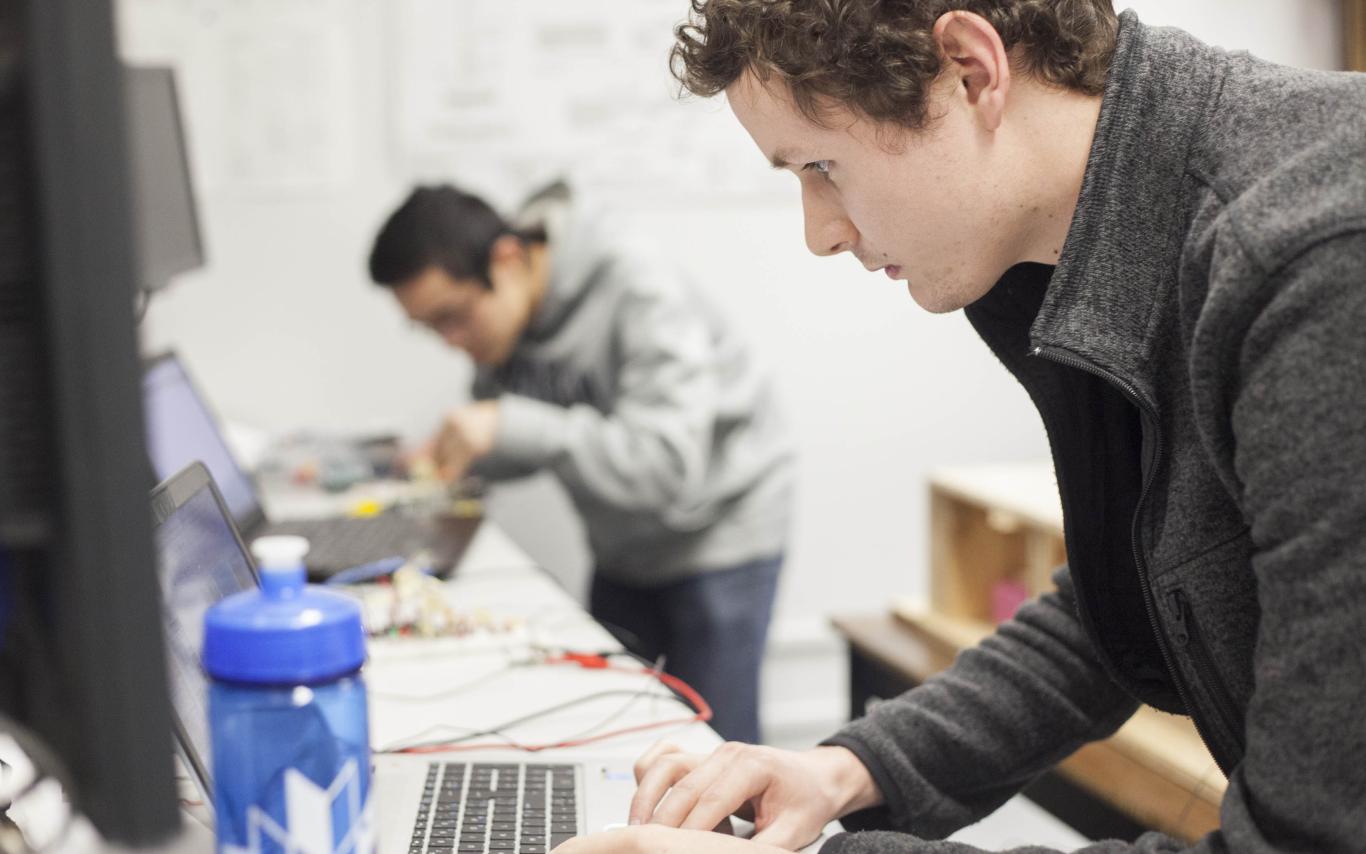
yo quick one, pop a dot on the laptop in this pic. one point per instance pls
(475, 802)
(181, 428)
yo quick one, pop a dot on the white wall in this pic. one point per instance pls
(285, 331)
(1306, 33)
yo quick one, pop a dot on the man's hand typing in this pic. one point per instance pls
(790, 796)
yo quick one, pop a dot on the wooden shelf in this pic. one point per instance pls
(1354, 27)
(996, 536)
(993, 530)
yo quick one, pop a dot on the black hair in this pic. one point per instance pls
(438, 225)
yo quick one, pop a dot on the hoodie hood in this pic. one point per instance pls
(575, 227)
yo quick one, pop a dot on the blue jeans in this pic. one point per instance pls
(711, 629)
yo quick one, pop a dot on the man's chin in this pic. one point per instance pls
(479, 358)
(935, 300)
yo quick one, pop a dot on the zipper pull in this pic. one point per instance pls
(1178, 608)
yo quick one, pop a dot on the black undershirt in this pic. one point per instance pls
(1096, 435)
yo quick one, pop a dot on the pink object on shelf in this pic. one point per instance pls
(1006, 598)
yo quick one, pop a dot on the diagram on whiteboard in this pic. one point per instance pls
(266, 86)
(504, 93)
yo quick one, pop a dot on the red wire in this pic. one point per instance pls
(591, 661)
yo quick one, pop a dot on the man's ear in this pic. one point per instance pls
(506, 254)
(504, 249)
(979, 63)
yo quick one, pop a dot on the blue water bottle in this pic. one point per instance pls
(287, 712)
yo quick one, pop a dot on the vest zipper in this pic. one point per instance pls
(1189, 636)
(1063, 357)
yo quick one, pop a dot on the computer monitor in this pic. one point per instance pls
(81, 653)
(167, 224)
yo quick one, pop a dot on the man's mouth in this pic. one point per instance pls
(893, 271)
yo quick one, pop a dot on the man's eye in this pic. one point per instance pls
(821, 166)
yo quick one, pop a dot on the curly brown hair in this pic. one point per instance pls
(878, 57)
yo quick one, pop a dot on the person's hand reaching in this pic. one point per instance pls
(466, 434)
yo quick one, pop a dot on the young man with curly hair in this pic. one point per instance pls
(1165, 244)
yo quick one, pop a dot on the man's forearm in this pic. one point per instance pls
(951, 750)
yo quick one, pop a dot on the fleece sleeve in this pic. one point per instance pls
(948, 752)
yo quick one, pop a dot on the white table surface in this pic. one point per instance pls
(445, 686)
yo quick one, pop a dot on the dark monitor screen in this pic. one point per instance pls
(168, 239)
(82, 661)
(201, 560)
(182, 429)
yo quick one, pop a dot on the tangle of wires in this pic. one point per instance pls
(478, 739)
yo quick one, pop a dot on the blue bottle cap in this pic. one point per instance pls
(286, 633)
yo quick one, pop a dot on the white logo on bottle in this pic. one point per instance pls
(309, 818)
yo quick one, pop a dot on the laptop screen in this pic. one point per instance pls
(200, 561)
(181, 429)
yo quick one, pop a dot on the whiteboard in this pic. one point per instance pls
(501, 94)
(266, 87)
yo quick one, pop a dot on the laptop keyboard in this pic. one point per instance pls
(336, 544)
(508, 809)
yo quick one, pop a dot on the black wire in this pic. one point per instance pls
(625, 636)
(643, 692)
(448, 692)
(498, 730)
(654, 667)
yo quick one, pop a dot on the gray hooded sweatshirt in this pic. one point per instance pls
(639, 397)
(1198, 357)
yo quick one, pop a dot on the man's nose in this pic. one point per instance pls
(828, 230)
